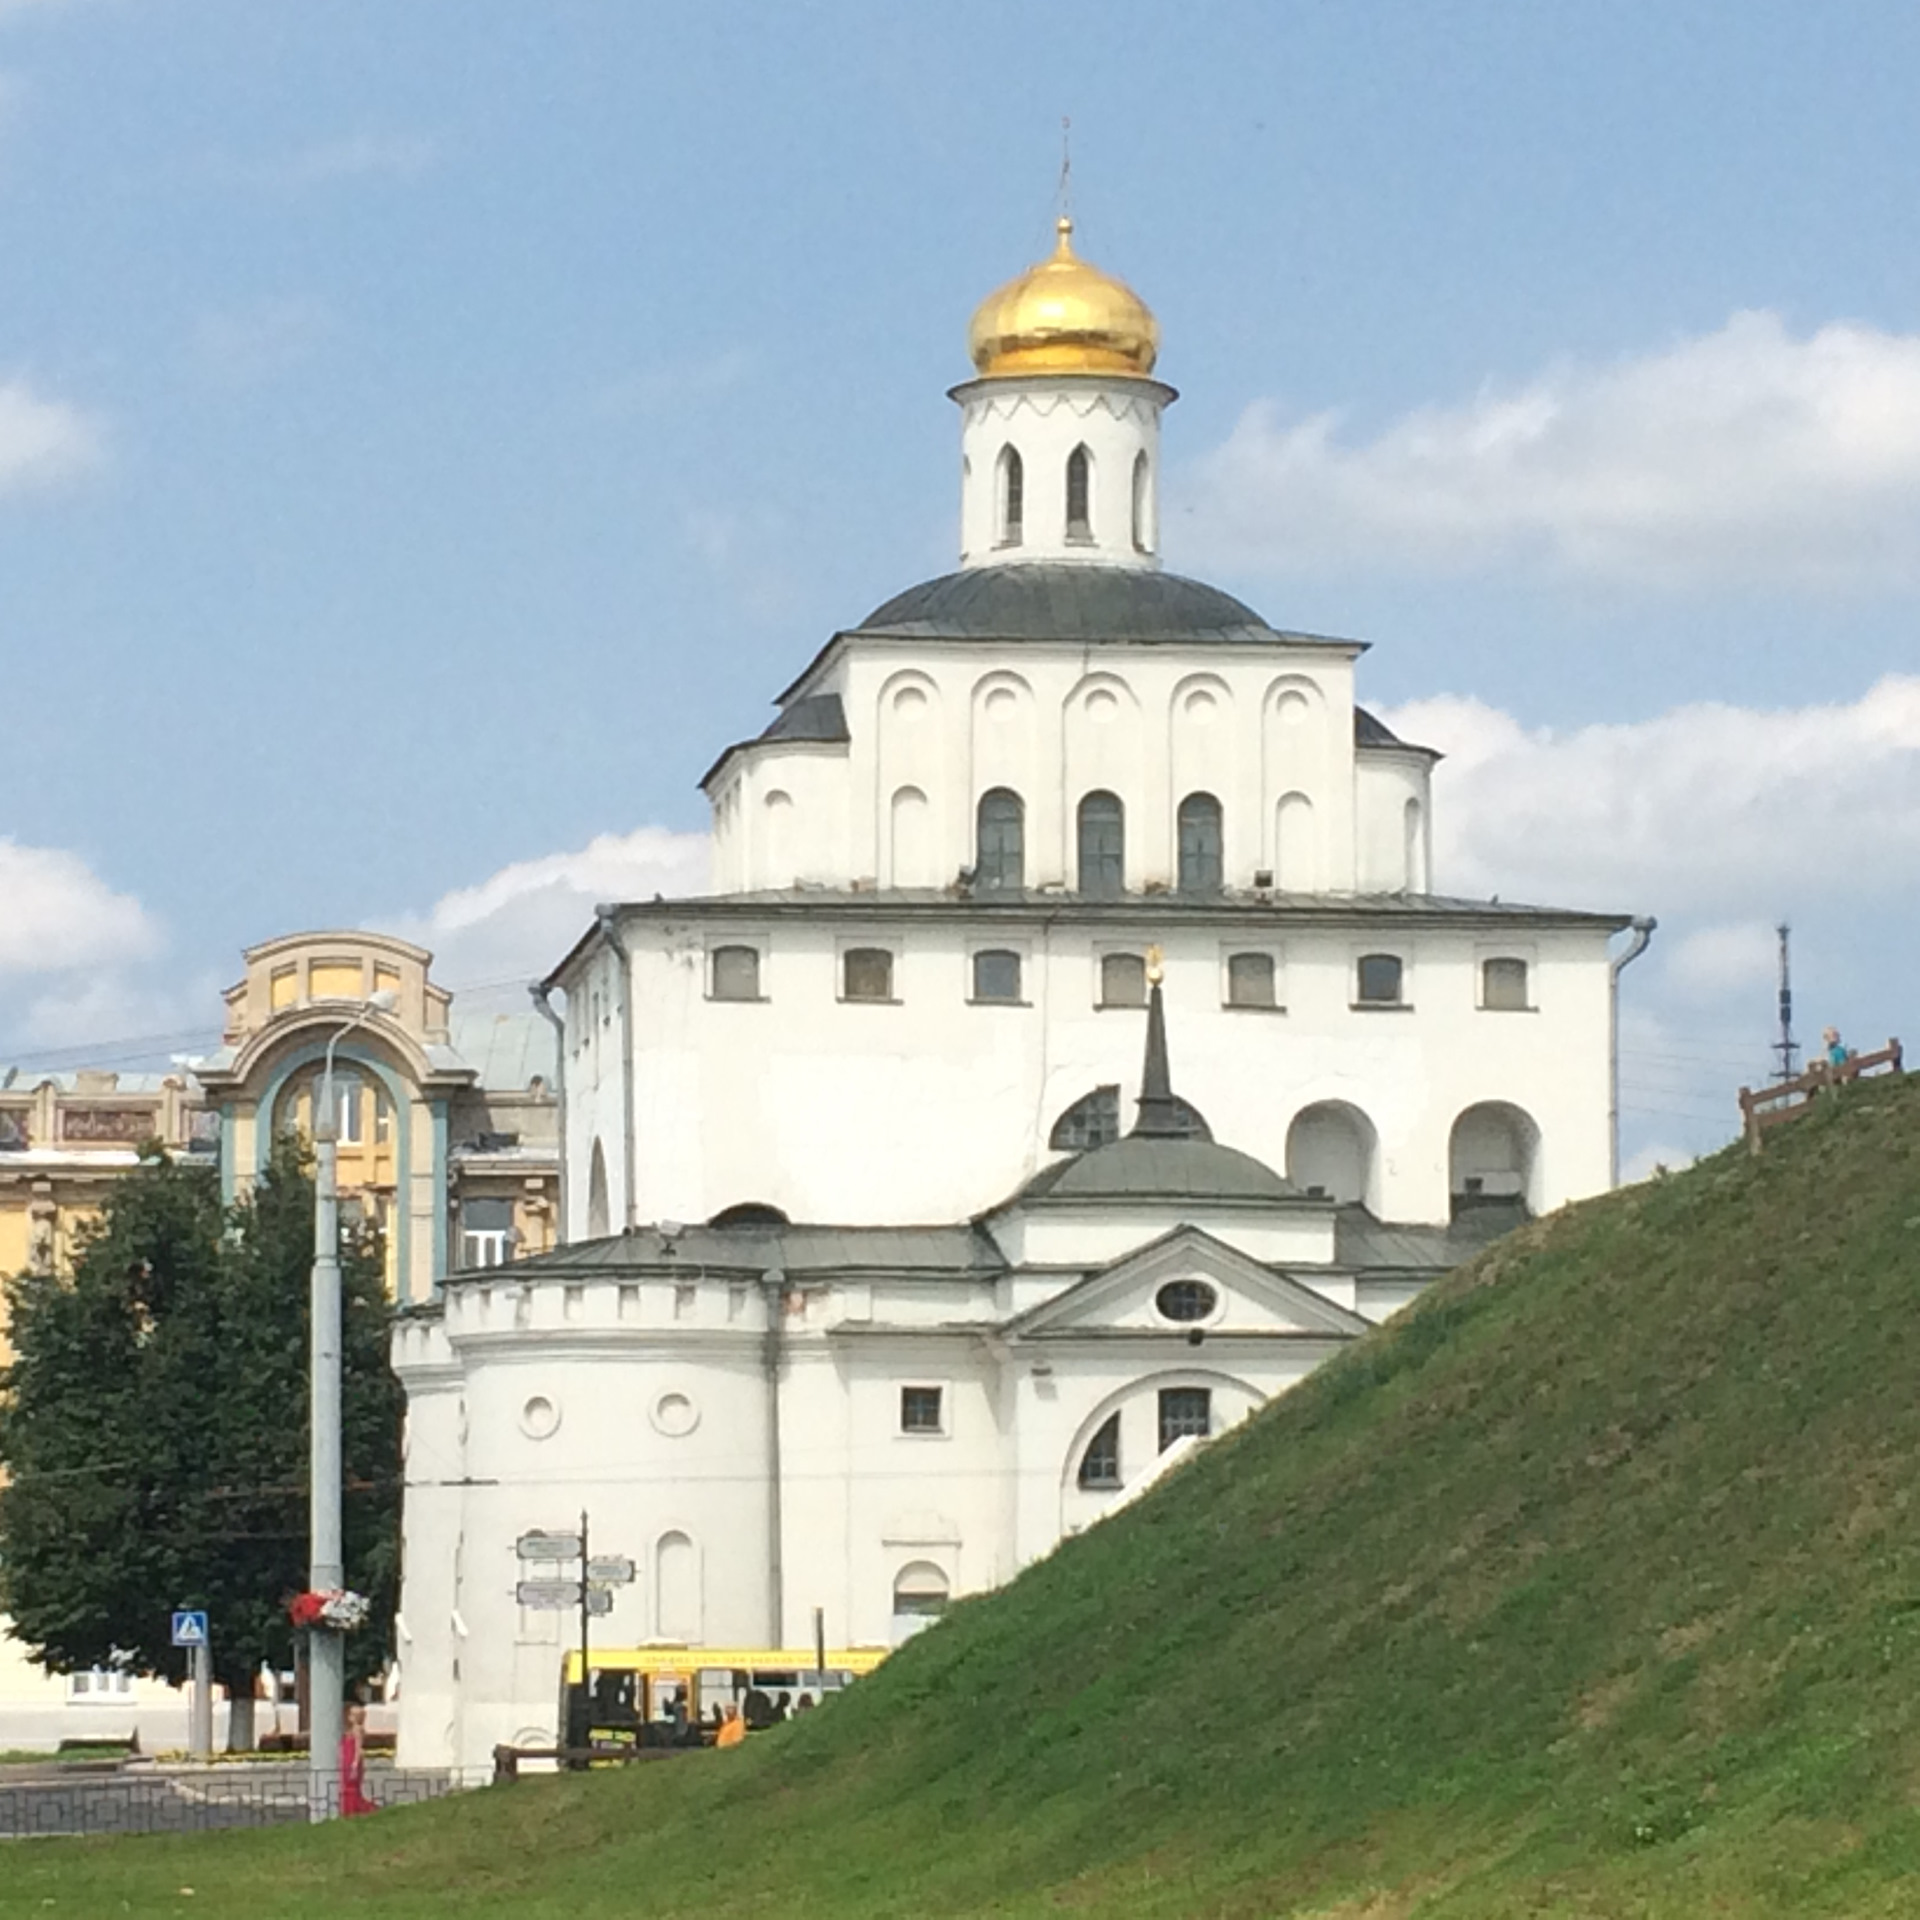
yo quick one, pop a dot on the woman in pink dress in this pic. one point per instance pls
(353, 1764)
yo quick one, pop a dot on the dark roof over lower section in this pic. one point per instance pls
(1130, 910)
(816, 717)
(1382, 1247)
(1037, 600)
(956, 1252)
(1371, 731)
(1154, 1168)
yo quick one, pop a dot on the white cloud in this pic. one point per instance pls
(57, 914)
(519, 923)
(1742, 455)
(43, 442)
(1731, 812)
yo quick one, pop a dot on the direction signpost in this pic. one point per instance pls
(591, 1591)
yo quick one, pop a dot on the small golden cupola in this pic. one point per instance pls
(1063, 316)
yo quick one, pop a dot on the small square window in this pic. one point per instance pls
(1380, 980)
(920, 1410)
(1123, 980)
(867, 973)
(1503, 985)
(1184, 1410)
(996, 975)
(1250, 980)
(736, 973)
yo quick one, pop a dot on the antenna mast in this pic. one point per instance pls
(1786, 1049)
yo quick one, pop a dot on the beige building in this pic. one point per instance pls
(446, 1122)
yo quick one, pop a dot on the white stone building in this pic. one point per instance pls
(944, 1305)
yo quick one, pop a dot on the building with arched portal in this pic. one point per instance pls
(951, 1299)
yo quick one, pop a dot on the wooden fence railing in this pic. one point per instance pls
(1767, 1106)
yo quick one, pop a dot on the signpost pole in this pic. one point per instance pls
(586, 1678)
(203, 1701)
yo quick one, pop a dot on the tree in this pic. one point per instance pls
(153, 1430)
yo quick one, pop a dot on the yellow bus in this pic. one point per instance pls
(677, 1696)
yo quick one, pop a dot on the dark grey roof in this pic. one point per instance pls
(1041, 601)
(1377, 1246)
(959, 1252)
(1148, 1167)
(816, 717)
(1371, 731)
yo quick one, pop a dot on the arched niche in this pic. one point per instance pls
(1492, 1157)
(1296, 844)
(678, 1601)
(1333, 1146)
(910, 840)
(598, 1215)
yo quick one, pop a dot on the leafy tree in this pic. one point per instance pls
(153, 1430)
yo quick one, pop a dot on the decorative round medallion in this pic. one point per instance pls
(675, 1415)
(539, 1418)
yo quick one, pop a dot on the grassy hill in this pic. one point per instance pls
(1592, 1586)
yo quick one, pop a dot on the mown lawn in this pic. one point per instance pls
(1590, 1587)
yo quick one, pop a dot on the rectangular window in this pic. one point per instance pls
(1503, 985)
(486, 1232)
(1250, 980)
(996, 975)
(1379, 980)
(866, 973)
(346, 1110)
(736, 973)
(1123, 980)
(920, 1410)
(1184, 1410)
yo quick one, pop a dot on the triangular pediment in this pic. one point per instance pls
(1125, 1297)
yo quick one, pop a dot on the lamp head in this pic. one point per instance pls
(384, 1000)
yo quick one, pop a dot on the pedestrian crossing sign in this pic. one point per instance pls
(190, 1629)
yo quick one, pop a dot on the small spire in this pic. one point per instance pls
(1063, 246)
(1159, 1113)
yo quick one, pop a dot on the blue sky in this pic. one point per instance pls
(428, 432)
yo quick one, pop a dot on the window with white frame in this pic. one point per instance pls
(996, 975)
(1123, 980)
(866, 973)
(486, 1232)
(1250, 980)
(922, 1410)
(1184, 1411)
(1380, 980)
(100, 1684)
(736, 973)
(1503, 985)
(1100, 1464)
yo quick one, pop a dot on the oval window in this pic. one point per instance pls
(1185, 1300)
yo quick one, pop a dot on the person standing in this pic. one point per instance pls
(353, 1764)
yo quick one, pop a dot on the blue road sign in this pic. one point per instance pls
(190, 1629)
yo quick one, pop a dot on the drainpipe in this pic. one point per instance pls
(1643, 927)
(773, 1289)
(610, 931)
(543, 1005)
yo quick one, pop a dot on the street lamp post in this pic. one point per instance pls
(326, 1648)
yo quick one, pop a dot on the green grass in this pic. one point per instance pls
(1590, 1587)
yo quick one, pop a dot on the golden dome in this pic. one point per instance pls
(1063, 316)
